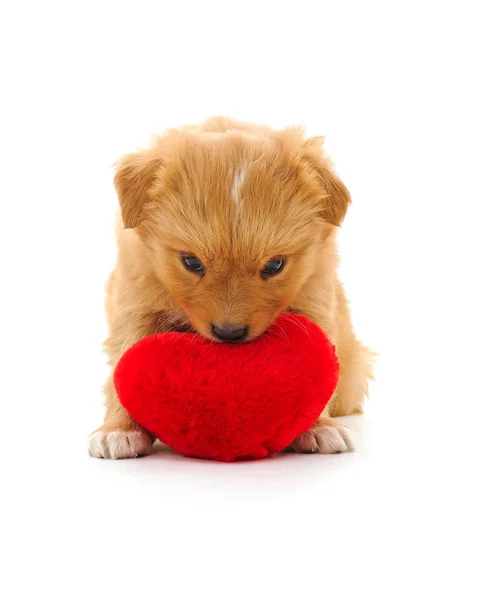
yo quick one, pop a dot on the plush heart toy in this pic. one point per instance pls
(229, 401)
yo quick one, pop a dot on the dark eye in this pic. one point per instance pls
(192, 263)
(273, 267)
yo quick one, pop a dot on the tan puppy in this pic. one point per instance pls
(223, 226)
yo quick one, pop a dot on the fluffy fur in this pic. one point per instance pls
(235, 195)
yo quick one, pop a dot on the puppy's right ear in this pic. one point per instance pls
(134, 176)
(336, 198)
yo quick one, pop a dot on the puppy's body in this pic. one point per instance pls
(236, 201)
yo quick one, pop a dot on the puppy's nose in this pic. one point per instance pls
(229, 333)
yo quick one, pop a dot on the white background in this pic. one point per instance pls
(395, 88)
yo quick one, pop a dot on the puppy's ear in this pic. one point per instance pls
(134, 176)
(336, 196)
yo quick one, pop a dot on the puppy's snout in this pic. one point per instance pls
(226, 332)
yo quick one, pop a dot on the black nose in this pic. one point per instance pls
(229, 333)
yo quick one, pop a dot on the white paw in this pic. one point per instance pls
(324, 439)
(119, 444)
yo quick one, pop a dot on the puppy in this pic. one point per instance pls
(223, 226)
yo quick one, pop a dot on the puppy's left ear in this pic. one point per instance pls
(336, 198)
(135, 174)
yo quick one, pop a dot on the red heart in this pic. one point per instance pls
(229, 401)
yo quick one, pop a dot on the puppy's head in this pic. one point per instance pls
(233, 221)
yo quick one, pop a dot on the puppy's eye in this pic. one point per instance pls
(192, 263)
(273, 267)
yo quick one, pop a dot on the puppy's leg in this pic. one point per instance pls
(356, 362)
(120, 436)
(326, 437)
(356, 368)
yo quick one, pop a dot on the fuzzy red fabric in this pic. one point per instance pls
(229, 401)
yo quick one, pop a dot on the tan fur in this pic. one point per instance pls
(235, 195)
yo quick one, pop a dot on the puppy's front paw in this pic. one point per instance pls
(119, 444)
(326, 437)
